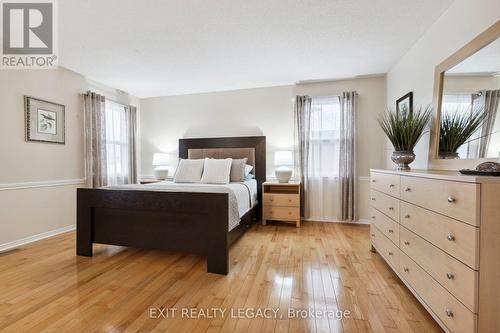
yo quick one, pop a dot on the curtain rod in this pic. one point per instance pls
(108, 99)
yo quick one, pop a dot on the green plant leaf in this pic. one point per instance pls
(404, 129)
(458, 126)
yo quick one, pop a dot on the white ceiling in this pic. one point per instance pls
(486, 61)
(156, 48)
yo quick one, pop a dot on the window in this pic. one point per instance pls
(456, 102)
(117, 143)
(462, 103)
(325, 137)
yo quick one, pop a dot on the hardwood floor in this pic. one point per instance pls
(44, 287)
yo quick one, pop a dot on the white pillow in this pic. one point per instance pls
(248, 169)
(216, 171)
(189, 171)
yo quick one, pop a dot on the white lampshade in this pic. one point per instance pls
(283, 157)
(160, 159)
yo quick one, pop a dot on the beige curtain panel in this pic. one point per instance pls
(95, 134)
(132, 124)
(489, 100)
(302, 113)
(348, 175)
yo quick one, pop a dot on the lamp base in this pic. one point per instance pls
(283, 174)
(161, 173)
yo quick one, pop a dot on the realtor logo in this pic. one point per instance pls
(28, 34)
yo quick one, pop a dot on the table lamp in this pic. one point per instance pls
(283, 159)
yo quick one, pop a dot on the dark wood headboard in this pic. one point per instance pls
(258, 143)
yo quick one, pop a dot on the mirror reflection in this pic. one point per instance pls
(470, 124)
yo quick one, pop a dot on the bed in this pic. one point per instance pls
(188, 218)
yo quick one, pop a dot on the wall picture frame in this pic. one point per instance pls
(45, 121)
(405, 103)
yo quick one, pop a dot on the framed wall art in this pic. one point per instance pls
(44, 120)
(405, 103)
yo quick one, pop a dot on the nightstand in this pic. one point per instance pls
(281, 202)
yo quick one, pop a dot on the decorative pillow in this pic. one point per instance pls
(216, 171)
(248, 169)
(238, 170)
(189, 171)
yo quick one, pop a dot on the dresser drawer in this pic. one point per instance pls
(447, 308)
(274, 199)
(455, 238)
(386, 204)
(385, 247)
(388, 227)
(458, 279)
(386, 183)
(453, 199)
(285, 213)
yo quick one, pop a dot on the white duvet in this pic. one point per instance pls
(242, 196)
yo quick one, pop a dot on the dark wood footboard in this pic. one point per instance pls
(195, 223)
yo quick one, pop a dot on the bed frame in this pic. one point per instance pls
(195, 223)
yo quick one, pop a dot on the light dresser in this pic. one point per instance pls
(439, 231)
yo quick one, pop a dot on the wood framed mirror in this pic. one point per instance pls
(466, 84)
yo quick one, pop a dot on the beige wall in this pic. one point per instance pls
(469, 84)
(38, 180)
(31, 211)
(458, 25)
(261, 111)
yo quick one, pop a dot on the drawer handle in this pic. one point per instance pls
(451, 200)
(407, 216)
(406, 269)
(450, 237)
(450, 276)
(449, 313)
(373, 199)
(373, 235)
(390, 253)
(289, 213)
(391, 208)
(407, 189)
(407, 243)
(289, 200)
(391, 231)
(392, 185)
(271, 199)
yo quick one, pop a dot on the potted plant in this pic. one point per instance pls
(404, 129)
(457, 127)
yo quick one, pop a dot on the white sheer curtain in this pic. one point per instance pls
(323, 160)
(117, 144)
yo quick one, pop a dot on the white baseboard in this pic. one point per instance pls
(360, 221)
(23, 241)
